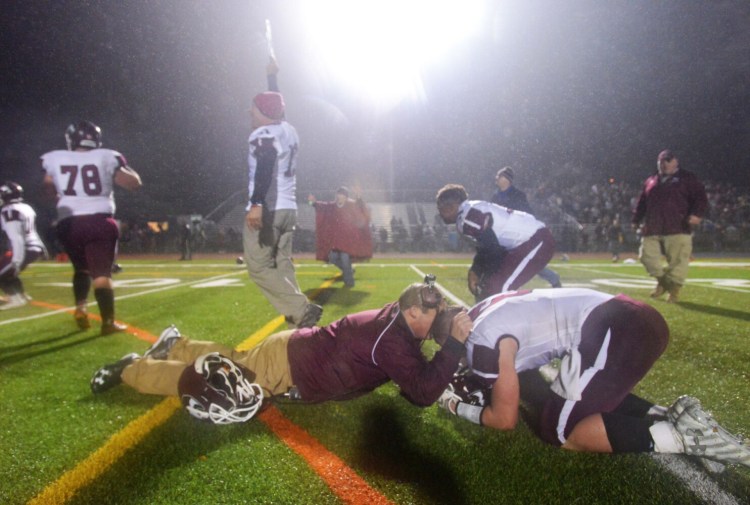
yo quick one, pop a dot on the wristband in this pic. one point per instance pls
(469, 412)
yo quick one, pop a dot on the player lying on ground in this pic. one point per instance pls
(346, 359)
(607, 344)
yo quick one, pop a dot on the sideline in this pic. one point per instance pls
(342, 480)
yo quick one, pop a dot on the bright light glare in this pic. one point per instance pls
(377, 48)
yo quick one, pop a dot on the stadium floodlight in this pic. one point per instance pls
(377, 48)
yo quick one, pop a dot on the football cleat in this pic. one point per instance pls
(14, 301)
(702, 436)
(111, 326)
(160, 349)
(110, 376)
(311, 316)
(82, 319)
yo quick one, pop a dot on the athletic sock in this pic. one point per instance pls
(666, 439)
(628, 434)
(81, 287)
(106, 299)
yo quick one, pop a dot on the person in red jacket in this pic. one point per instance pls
(342, 232)
(672, 203)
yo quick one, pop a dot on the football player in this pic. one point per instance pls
(511, 246)
(18, 221)
(346, 359)
(83, 180)
(272, 207)
(606, 345)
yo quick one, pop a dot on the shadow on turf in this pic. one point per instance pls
(716, 311)
(386, 449)
(348, 296)
(14, 354)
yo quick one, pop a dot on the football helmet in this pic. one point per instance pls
(218, 390)
(83, 134)
(11, 192)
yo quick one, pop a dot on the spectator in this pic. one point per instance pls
(672, 203)
(342, 232)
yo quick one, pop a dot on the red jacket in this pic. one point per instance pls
(664, 207)
(345, 228)
(356, 354)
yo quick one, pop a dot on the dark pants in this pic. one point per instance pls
(628, 337)
(521, 264)
(91, 242)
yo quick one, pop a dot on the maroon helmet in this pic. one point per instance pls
(218, 390)
(83, 134)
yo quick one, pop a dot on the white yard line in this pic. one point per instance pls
(122, 297)
(692, 282)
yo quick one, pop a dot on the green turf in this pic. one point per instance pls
(50, 421)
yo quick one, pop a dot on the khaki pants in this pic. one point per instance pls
(268, 360)
(268, 256)
(676, 248)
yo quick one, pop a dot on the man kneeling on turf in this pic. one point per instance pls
(607, 344)
(347, 358)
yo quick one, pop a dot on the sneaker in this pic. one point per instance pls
(82, 319)
(311, 316)
(116, 268)
(164, 343)
(110, 327)
(702, 436)
(14, 301)
(110, 376)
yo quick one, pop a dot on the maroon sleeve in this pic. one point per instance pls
(421, 381)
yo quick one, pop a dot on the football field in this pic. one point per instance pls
(61, 444)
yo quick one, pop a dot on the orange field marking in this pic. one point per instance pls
(343, 481)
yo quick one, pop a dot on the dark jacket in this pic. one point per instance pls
(664, 206)
(512, 198)
(362, 351)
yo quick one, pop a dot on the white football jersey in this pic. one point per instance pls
(512, 227)
(18, 221)
(84, 180)
(282, 194)
(546, 323)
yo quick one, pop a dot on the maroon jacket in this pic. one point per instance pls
(345, 229)
(362, 351)
(664, 207)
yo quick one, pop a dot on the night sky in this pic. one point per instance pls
(594, 87)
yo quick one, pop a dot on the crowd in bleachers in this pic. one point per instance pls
(583, 216)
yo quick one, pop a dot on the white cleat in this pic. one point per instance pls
(160, 349)
(702, 436)
(14, 301)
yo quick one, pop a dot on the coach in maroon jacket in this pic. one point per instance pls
(672, 203)
(345, 359)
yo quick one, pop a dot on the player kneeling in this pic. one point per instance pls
(606, 345)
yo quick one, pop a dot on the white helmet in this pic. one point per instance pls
(216, 389)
